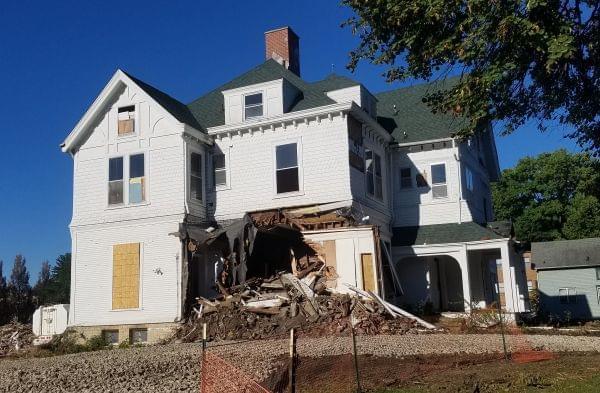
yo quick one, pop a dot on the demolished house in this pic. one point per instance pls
(269, 175)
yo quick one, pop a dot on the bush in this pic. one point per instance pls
(96, 343)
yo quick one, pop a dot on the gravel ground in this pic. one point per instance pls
(172, 368)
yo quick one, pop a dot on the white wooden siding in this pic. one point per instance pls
(324, 166)
(91, 298)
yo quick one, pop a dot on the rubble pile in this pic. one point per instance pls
(15, 337)
(266, 308)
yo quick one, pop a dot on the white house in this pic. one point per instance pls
(395, 203)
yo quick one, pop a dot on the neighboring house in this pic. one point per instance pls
(375, 182)
(568, 274)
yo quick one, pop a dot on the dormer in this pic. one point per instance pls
(359, 94)
(258, 101)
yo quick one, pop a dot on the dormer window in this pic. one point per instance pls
(253, 105)
(126, 120)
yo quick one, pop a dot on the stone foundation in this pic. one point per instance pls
(156, 332)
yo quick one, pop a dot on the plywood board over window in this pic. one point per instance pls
(368, 272)
(126, 276)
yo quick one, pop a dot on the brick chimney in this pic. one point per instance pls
(283, 45)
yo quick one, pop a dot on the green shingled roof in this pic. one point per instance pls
(209, 109)
(412, 120)
(566, 253)
(409, 121)
(170, 104)
(445, 233)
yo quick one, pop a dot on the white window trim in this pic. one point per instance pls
(141, 282)
(264, 107)
(227, 185)
(188, 175)
(125, 203)
(300, 192)
(431, 185)
(569, 295)
(373, 197)
(136, 122)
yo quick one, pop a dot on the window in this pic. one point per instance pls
(598, 293)
(598, 273)
(253, 105)
(196, 176)
(355, 140)
(374, 174)
(405, 178)
(126, 121)
(138, 336)
(469, 179)
(220, 171)
(115, 180)
(286, 171)
(111, 336)
(126, 276)
(438, 181)
(137, 180)
(567, 295)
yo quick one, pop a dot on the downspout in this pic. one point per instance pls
(460, 185)
(181, 291)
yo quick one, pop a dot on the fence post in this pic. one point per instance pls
(355, 355)
(203, 361)
(292, 366)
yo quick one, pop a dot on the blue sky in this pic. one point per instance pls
(55, 57)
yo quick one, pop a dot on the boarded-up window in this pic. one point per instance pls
(126, 120)
(368, 272)
(126, 276)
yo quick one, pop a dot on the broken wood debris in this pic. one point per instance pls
(264, 308)
(15, 337)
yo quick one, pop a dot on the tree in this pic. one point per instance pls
(20, 290)
(4, 309)
(40, 290)
(59, 287)
(551, 196)
(518, 60)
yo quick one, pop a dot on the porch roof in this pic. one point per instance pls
(448, 233)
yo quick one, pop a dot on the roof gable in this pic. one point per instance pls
(120, 79)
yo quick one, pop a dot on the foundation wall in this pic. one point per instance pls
(156, 331)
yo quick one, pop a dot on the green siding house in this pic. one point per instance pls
(568, 278)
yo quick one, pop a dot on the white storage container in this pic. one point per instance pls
(50, 320)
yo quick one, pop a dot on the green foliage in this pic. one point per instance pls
(96, 343)
(58, 290)
(4, 307)
(552, 196)
(518, 60)
(19, 291)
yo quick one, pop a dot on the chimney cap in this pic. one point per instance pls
(282, 28)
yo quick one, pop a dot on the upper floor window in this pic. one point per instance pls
(136, 191)
(220, 170)
(405, 178)
(115, 180)
(196, 176)
(567, 295)
(374, 177)
(253, 105)
(137, 179)
(439, 188)
(286, 169)
(126, 117)
(469, 180)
